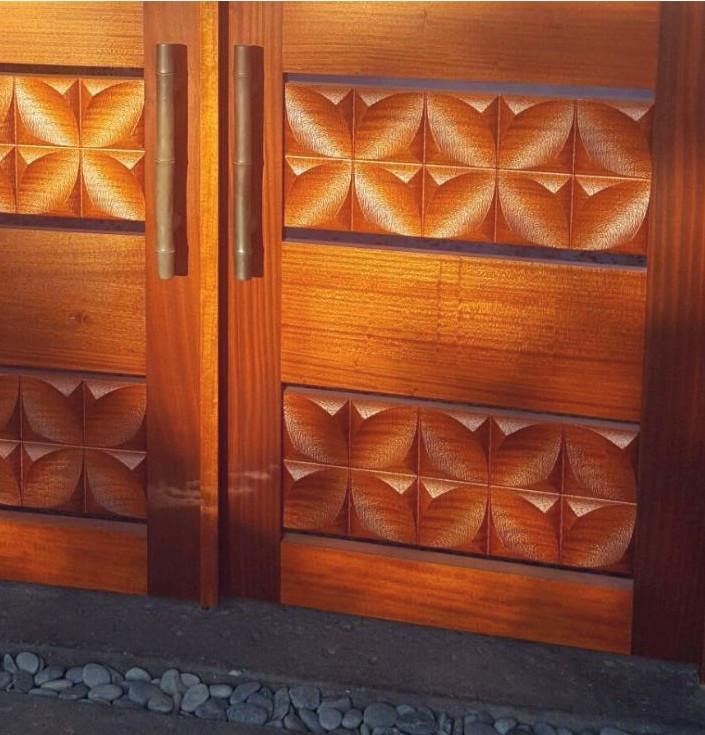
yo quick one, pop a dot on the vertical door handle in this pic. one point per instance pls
(246, 162)
(165, 161)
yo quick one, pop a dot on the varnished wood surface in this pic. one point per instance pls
(595, 44)
(526, 335)
(253, 502)
(72, 300)
(670, 551)
(105, 34)
(181, 373)
(73, 552)
(489, 597)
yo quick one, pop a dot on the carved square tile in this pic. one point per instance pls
(534, 209)
(112, 113)
(525, 525)
(10, 473)
(389, 126)
(48, 181)
(116, 483)
(318, 120)
(383, 507)
(601, 463)
(453, 515)
(613, 138)
(316, 427)
(383, 435)
(388, 198)
(315, 498)
(459, 203)
(597, 534)
(114, 414)
(7, 110)
(52, 477)
(454, 445)
(461, 129)
(9, 406)
(8, 182)
(610, 214)
(526, 454)
(112, 184)
(536, 134)
(52, 409)
(318, 193)
(47, 110)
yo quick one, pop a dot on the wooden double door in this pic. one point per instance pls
(432, 346)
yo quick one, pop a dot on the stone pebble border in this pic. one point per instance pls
(293, 708)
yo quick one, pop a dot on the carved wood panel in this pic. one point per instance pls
(73, 444)
(522, 170)
(523, 487)
(72, 147)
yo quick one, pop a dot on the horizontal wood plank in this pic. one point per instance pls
(594, 44)
(73, 552)
(538, 336)
(489, 597)
(73, 34)
(72, 301)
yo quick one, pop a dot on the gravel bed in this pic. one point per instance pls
(298, 708)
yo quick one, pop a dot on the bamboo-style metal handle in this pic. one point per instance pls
(244, 228)
(165, 162)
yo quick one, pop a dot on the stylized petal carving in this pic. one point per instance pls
(52, 414)
(115, 483)
(114, 414)
(318, 194)
(613, 141)
(533, 209)
(112, 186)
(451, 446)
(597, 467)
(526, 456)
(10, 468)
(388, 127)
(316, 429)
(48, 181)
(612, 215)
(315, 498)
(53, 478)
(316, 123)
(45, 113)
(596, 535)
(112, 114)
(9, 405)
(383, 437)
(536, 136)
(454, 517)
(526, 525)
(383, 507)
(7, 127)
(386, 200)
(7, 178)
(460, 205)
(461, 133)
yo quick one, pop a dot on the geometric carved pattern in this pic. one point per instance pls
(477, 167)
(72, 444)
(419, 473)
(72, 147)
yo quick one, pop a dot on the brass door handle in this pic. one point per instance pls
(247, 70)
(165, 161)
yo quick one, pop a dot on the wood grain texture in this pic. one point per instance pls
(484, 168)
(73, 552)
(670, 550)
(253, 503)
(72, 301)
(181, 374)
(489, 597)
(536, 336)
(73, 34)
(592, 44)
